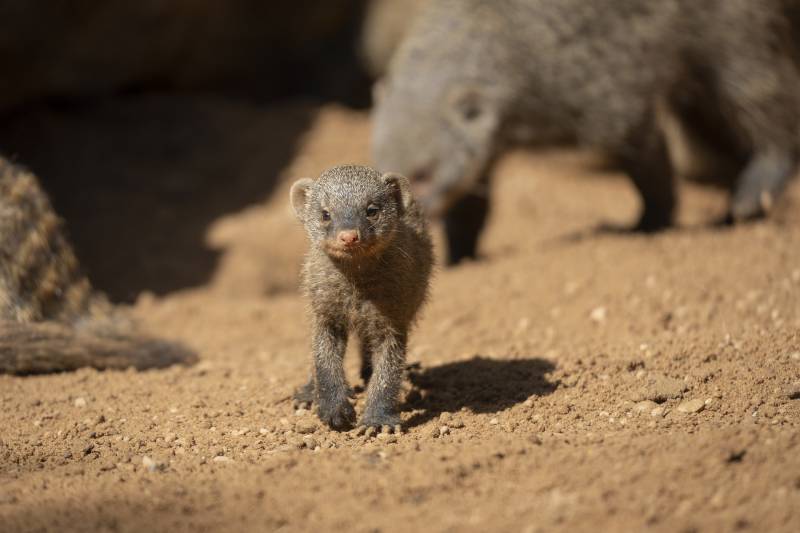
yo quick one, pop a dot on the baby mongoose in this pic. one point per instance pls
(367, 271)
(475, 76)
(50, 317)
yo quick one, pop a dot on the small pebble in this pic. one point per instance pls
(152, 465)
(598, 314)
(222, 459)
(456, 423)
(692, 406)
(80, 402)
(444, 430)
(494, 421)
(645, 406)
(658, 411)
(310, 442)
(793, 391)
(660, 389)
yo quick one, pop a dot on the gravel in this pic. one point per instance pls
(660, 389)
(305, 426)
(153, 465)
(692, 406)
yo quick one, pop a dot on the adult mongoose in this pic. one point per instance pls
(474, 76)
(367, 271)
(50, 317)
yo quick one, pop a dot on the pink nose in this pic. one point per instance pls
(348, 237)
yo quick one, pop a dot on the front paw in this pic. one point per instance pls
(338, 414)
(380, 418)
(653, 221)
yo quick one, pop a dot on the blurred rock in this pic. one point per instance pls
(385, 24)
(54, 49)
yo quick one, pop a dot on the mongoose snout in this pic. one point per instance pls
(348, 237)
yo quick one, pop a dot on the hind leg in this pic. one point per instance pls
(366, 360)
(762, 182)
(761, 92)
(700, 141)
(304, 396)
(647, 163)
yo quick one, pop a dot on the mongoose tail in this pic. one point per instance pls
(51, 320)
(45, 347)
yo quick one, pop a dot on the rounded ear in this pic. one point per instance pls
(473, 108)
(298, 194)
(402, 188)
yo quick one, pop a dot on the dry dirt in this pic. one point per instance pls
(572, 379)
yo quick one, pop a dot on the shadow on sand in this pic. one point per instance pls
(140, 179)
(480, 384)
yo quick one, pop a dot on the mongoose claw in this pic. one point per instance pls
(373, 431)
(299, 404)
(382, 422)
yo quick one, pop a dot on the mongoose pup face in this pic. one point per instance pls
(435, 119)
(351, 212)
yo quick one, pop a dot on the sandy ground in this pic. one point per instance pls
(570, 380)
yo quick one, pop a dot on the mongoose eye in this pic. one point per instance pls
(471, 111)
(326, 216)
(372, 210)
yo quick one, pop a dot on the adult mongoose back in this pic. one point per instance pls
(50, 317)
(474, 76)
(367, 270)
